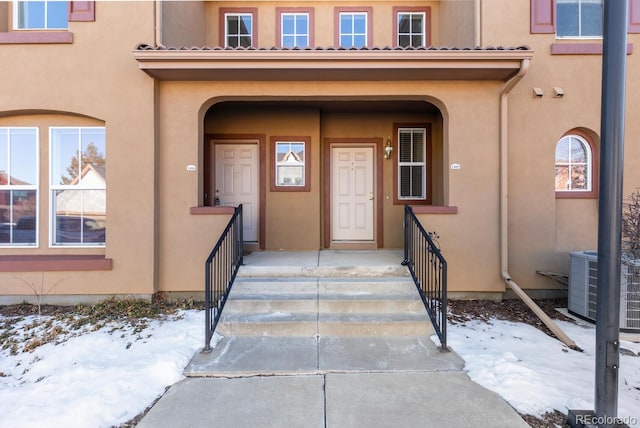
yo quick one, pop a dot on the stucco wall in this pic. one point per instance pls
(542, 228)
(294, 219)
(324, 21)
(97, 77)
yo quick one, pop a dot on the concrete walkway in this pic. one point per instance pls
(327, 381)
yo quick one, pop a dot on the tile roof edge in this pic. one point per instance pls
(147, 47)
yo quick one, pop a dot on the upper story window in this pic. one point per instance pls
(41, 15)
(78, 186)
(353, 29)
(574, 167)
(294, 30)
(18, 186)
(238, 30)
(579, 18)
(411, 29)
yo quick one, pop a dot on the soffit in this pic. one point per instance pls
(329, 64)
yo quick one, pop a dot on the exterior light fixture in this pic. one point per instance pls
(537, 92)
(558, 92)
(388, 149)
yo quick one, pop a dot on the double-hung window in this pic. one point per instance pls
(294, 30)
(18, 186)
(78, 186)
(238, 30)
(41, 15)
(412, 163)
(353, 29)
(411, 29)
(579, 18)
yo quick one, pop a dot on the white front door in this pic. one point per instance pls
(352, 194)
(236, 183)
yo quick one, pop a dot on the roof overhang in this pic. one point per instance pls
(215, 64)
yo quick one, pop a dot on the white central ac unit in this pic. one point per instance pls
(583, 289)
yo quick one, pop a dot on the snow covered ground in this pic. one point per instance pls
(106, 377)
(536, 373)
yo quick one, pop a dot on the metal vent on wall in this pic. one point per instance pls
(583, 274)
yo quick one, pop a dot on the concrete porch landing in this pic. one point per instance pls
(327, 339)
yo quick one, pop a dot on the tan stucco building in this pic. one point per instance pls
(187, 108)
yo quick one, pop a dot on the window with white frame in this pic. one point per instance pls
(18, 186)
(353, 29)
(238, 30)
(294, 30)
(573, 165)
(411, 29)
(412, 164)
(290, 163)
(41, 15)
(579, 18)
(78, 186)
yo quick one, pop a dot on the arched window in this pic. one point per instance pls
(574, 167)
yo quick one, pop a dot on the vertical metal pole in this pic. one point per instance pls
(610, 209)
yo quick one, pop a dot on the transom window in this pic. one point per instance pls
(41, 15)
(238, 30)
(295, 30)
(579, 18)
(353, 29)
(573, 165)
(18, 186)
(411, 29)
(78, 186)
(412, 165)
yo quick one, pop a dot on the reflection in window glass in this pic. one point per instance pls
(353, 30)
(411, 29)
(579, 18)
(18, 186)
(78, 190)
(41, 15)
(239, 30)
(295, 30)
(290, 163)
(573, 164)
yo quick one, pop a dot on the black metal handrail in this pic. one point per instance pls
(220, 271)
(429, 272)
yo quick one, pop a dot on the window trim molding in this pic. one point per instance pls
(54, 263)
(428, 200)
(368, 10)
(307, 163)
(286, 10)
(419, 9)
(595, 169)
(224, 11)
(35, 37)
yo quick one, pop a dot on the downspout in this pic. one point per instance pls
(504, 212)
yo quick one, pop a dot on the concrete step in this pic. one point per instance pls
(311, 324)
(305, 307)
(249, 271)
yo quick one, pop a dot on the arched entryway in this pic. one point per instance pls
(322, 177)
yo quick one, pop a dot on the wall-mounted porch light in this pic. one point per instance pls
(388, 149)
